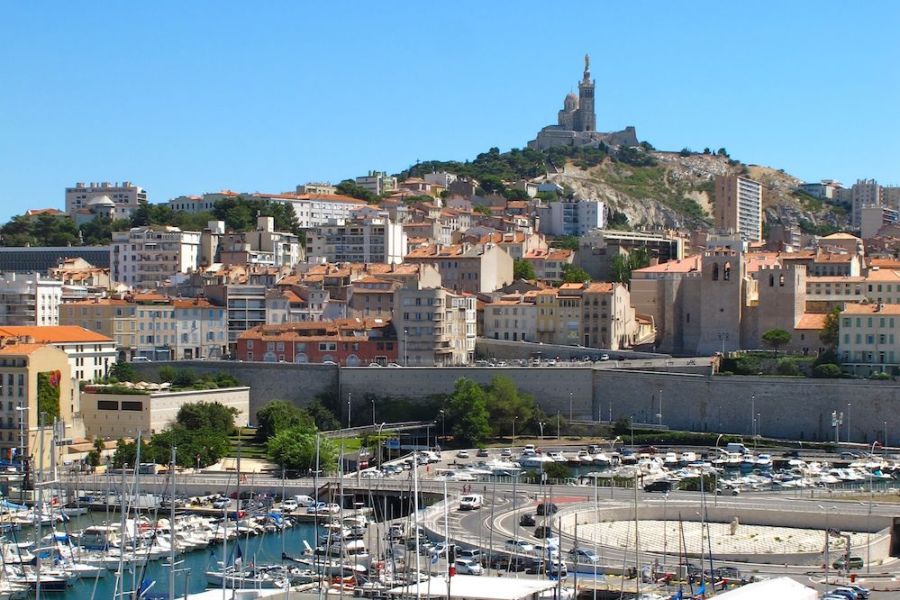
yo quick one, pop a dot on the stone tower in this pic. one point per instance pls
(585, 117)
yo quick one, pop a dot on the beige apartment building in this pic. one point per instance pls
(465, 268)
(145, 257)
(738, 206)
(594, 315)
(512, 317)
(113, 318)
(24, 368)
(870, 338)
(435, 327)
(114, 416)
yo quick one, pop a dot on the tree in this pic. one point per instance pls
(201, 447)
(482, 209)
(349, 187)
(466, 413)
(122, 371)
(776, 338)
(207, 415)
(567, 242)
(830, 334)
(522, 269)
(240, 213)
(573, 274)
(295, 448)
(507, 406)
(279, 415)
(492, 184)
(622, 265)
(827, 371)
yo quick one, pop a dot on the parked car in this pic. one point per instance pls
(467, 566)
(474, 554)
(546, 509)
(304, 501)
(482, 453)
(506, 453)
(462, 454)
(526, 520)
(515, 564)
(289, 505)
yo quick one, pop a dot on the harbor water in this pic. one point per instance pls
(190, 574)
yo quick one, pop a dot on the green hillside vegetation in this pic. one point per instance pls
(239, 214)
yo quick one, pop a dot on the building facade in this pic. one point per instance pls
(29, 299)
(435, 326)
(113, 318)
(738, 206)
(145, 257)
(869, 339)
(348, 342)
(572, 217)
(90, 354)
(377, 182)
(360, 240)
(475, 268)
(118, 201)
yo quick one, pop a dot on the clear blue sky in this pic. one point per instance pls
(189, 97)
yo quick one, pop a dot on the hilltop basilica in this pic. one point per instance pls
(577, 121)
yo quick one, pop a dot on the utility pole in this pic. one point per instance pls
(349, 401)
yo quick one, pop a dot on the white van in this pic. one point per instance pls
(470, 502)
(304, 501)
(736, 448)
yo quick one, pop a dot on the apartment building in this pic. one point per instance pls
(347, 342)
(264, 246)
(90, 354)
(35, 380)
(865, 192)
(878, 286)
(435, 327)
(512, 317)
(111, 317)
(29, 299)
(294, 303)
(378, 182)
(113, 200)
(194, 204)
(467, 268)
(738, 206)
(592, 314)
(245, 307)
(571, 217)
(549, 264)
(874, 218)
(317, 188)
(362, 239)
(597, 249)
(869, 339)
(145, 257)
(372, 297)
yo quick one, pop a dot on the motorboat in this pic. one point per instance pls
(250, 578)
(670, 459)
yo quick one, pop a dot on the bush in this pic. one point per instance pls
(746, 365)
(788, 367)
(880, 376)
(827, 371)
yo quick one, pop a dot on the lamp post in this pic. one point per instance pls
(349, 403)
(660, 413)
(373, 411)
(515, 418)
(23, 457)
(885, 444)
(443, 425)
(849, 404)
(541, 425)
(406, 346)
(752, 413)
(570, 407)
(557, 426)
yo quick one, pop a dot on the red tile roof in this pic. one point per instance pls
(55, 334)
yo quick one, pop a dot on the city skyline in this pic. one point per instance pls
(185, 100)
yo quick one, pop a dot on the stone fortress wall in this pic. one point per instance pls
(785, 407)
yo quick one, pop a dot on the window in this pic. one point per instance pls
(132, 405)
(107, 405)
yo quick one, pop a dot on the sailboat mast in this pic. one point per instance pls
(172, 527)
(415, 467)
(39, 507)
(637, 546)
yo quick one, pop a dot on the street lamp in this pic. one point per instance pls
(541, 425)
(752, 414)
(660, 413)
(373, 411)
(406, 346)
(443, 425)
(570, 407)
(848, 420)
(515, 418)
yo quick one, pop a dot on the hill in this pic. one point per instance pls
(645, 188)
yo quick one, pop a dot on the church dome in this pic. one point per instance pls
(100, 203)
(571, 101)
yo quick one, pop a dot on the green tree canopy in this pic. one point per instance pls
(776, 338)
(349, 187)
(466, 413)
(207, 415)
(279, 415)
(623, 265)
(295, 448)
(240, 213)
(506, 406)
(573, 274)
(831, 331)
(522, 269)
(567, 242)
(123, 371)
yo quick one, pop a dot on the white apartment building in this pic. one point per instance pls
(317, 210)
(870, 338)
(193, 204)
(90, 354)
(738, 206)
(265, 246)
(118, 201)
(317, 188)
(145, 257)
(360, 240)
(826, 189)
(865, 192)
(200, 330)
(29, 299)
(378, 182)
(435, 327)
(572, 217)
(511, 318)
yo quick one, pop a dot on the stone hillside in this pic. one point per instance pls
(677, 191)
